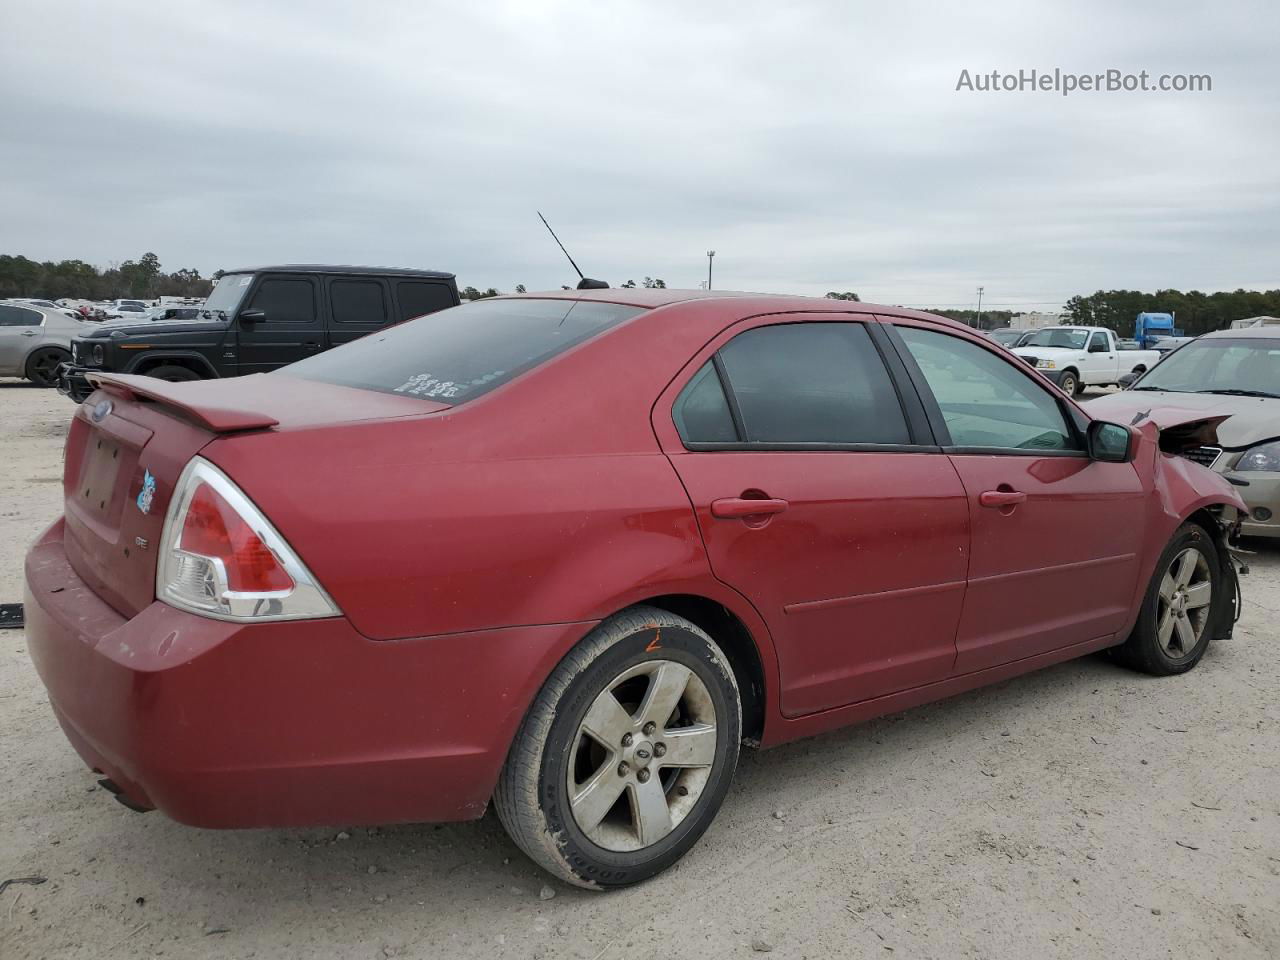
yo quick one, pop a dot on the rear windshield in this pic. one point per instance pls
(457, 354)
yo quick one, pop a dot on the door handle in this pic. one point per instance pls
(738, 507)
(1001, 498)
(28, 333)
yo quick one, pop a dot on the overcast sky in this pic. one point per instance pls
(814, 146)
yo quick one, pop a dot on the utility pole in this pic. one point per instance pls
(710, 256)
(980, 308)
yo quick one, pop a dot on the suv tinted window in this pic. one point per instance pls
(18, 317)
(417, 298)
(454, 355)
(986, 401)
(701, 411)
(813, 383)
(358, 301)
(285, 300)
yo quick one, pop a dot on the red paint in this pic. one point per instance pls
(469, 548)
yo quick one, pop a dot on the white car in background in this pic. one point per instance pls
(128, 309)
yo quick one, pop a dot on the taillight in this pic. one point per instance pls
(220, 557)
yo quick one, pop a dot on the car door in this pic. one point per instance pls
(279, 322)
(21, 330)
(357, 306)
(820, 498)
(1055, 535)
(1100, 360)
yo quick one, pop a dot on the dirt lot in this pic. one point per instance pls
(1084, 811)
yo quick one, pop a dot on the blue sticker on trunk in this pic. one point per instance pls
(147, 493)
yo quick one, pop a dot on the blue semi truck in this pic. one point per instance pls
(1150, 327)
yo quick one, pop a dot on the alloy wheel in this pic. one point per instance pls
(1184, 602)
(642, 756)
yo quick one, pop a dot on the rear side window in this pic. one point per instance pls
(454, 355)
(18, 317)
(358, 301)
(702, 412)
(285, 300)
(813, 383)
(418, 298)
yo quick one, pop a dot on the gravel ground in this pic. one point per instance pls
(1083, 811)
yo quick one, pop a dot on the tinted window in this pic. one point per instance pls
(285, 300)
(701, 412)
(358, 301)
(813, 383)
(985, 400)
(417, 298)
(1098, 343)
(454, 355)
(18, 317)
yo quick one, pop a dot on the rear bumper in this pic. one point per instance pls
(279, 724)
(72, 382)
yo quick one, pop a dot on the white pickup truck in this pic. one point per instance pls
(1079, 357)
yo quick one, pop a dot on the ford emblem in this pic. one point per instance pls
(100, 410)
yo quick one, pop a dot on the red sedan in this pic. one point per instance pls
(566, 552)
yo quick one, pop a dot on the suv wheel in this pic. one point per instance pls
(173, 373)
(626, 754)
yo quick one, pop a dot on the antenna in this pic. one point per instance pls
(583, 282)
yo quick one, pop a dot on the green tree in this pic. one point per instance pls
(847, 295)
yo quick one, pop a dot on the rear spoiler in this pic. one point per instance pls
(187, 399)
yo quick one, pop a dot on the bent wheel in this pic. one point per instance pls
(627, 753)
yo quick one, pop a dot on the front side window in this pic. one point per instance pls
(358, 301)
(985, 400)
(19, 317)
(796, 383)
(1098, 343)
(285, 300)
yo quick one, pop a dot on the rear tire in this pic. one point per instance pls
(625, 756)
(1180, 608)
(42, 366)
(173, 373)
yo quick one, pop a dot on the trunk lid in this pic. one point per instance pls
(130, 440)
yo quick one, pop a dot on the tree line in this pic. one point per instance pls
(1194, 312)
(143, 279)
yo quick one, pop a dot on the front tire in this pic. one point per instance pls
(626, 754)
(1180, 608)
(1070, 384)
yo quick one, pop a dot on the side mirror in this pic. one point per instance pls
(1110, 442)
(1128, 380)
(253, 316)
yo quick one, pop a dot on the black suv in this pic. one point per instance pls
(257, 320)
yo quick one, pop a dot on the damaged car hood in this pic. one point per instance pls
(1241, 421)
